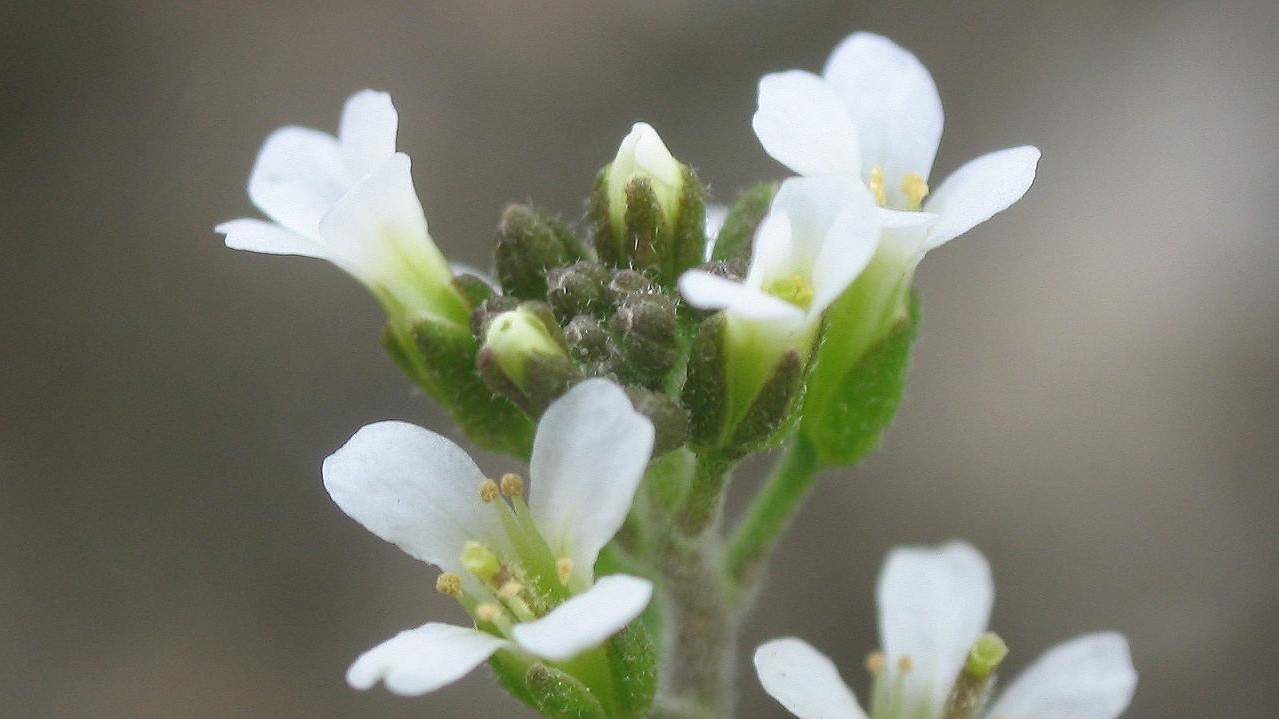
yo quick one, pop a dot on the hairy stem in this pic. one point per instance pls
(769, 513)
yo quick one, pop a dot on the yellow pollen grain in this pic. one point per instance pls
(488, 612)
(876, 184)
(915, 188)
(512, 485)
(449, 583)
(564, 568)
(509, 590)
(904, 664)
(875, 663)
(489, 491)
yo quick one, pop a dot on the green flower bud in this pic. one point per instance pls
(734, 239)
(529, 244)
(580, 288)
(591, 346)
(646, 327)
(626, 283)
(648, 210)
(669, 419)
(525, 358)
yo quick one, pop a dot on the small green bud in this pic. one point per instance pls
(580, 288)
(735, 237)
(529, 244)
(591, 346)
(646, 327)
(647, 209)
(626, 283)
(487, 310)
(525, 358)
(670, 421)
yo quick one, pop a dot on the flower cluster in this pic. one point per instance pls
(633, 358)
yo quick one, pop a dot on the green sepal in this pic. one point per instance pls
(646, 232)
(580, 288)
(647, 337)
(529, 244)
(705, 392)
(440, 358)
(632, 656)
(771, 415)
(735, 237)
(607, 243)
(559, 695)
(850, 420)
(474, 291)
(687, 246)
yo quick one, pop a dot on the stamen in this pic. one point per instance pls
(876, 185)
(915, 188)
(875, 663)
(564, 568)
(512, 485)
(449, 583)
(509, 589)
(489, 491)
(487, 612)
(904, 664)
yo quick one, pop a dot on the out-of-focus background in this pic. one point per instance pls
(1094, 401)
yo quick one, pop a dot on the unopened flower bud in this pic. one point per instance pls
(646, 325)
(524, 357)
(591, 346)
(580, 288)
(670, 421)
(529, 244)
(626, 283)
(487, 310)
(648, 209)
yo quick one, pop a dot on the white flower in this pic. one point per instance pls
(523, 570)
(874, 114)
(350, 200)
(933, 605)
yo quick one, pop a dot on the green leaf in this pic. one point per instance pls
(853, 414)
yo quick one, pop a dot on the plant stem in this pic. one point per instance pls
(770, 511)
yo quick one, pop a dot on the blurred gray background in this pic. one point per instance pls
(1094, 401)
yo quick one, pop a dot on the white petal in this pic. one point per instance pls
(417, 661)
(803, 124)
(712, 292)
(298, 176)
(414, 488)
(812, 204)
(715, 216)
(377, 231)
(589, 455)
(464, 268)
(1089, 677)
(773, 252)
(978, 190)
(652, 156)
(268, 237)
(850, 243)
(804, 681)
(367, 131)
(933, 604)
(587, 619)
(893, 103)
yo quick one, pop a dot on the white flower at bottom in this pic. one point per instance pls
(933, 606)
(524, 571)
(350, 200)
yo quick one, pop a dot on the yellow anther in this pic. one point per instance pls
(489, 491)
(449, 583)
(564, 568)
(915, 188)
(509, 590)
(904, 664)
(876, 185)
(875, 663)
(794, 289)
(488, 612)
(512, 485)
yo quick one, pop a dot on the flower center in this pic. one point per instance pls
(510, 587)
(913, 187)
(794, 289)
